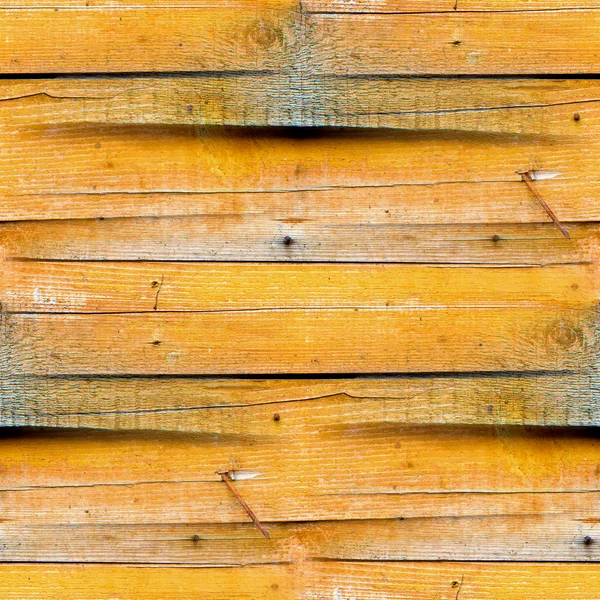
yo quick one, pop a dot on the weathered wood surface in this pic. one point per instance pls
(339, 580)
(517, 537)
(452, 168)
(231, 39)
(377, 471)
(342, 238)
(522, 106)
(230, 406)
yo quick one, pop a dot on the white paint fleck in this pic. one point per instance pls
(242, 474)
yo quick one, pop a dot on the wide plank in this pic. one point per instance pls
(294, 176)
(341, 472)
(343, 340)
(114, 40)
(230, 406)
(336, 579)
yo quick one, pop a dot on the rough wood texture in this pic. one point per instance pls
(518, 537)
(376, 471)
(543, 107)
(127, 287)
(451, 174)
(287, 40)
(339, 580)
(343, 340)
(232, 406)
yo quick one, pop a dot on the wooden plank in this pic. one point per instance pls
(229, 406)
(105, 287)
(559, 536)
(339, 580)
(294, 177)
(143, 39)
(337, 473)
(504, 105)
(428, 6)
(249, 238)
(344, 340)
(237, 39)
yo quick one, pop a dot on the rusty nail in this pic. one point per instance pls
(576, 117)
(587, 540)
(528, 181)
(228, 480)
(196, 538)
(496, 238)
(276, 417)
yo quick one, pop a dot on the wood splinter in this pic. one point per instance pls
(228, 480)
(528, 180)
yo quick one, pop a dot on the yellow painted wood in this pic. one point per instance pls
(243, 39)
(293, 178)
(343, 340)
(375, 471)
(408, 581)
(105, 287)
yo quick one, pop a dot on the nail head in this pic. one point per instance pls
(276, 417)
(576, 117)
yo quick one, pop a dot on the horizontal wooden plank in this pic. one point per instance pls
(254, 406)
(416, 6)
(339, 580)
(495, 105)
(344, 340)
(252, 238)
(294, 177)
(357, 6)
(239, 39)
(342, 472)
(104, 287)
(554, 531)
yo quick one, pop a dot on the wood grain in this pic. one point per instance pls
(373, 176)
(157, 39)
(344, 580)
(343, 238)
(229, 406)
(523, 106)
(106, 287)
(376, 471)
(343, 340)
(555, 530)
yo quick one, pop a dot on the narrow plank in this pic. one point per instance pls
(256, 238)
(238, 39)
(105, 287)
(294, 176)
(344, 340)
(339, 580)
(357, 6)
(426, 6)
(499, 105)
(345, 472)
(284, 406)
(555, 530)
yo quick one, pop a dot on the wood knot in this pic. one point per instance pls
(564, 335)
(264, 34)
